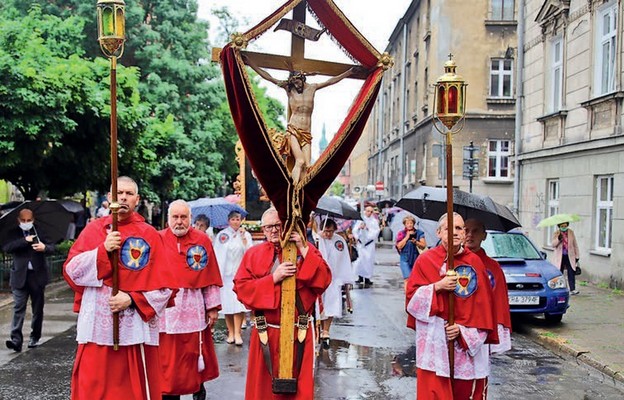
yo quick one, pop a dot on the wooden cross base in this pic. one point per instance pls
(284, 386)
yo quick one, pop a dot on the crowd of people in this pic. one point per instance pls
(174, 283)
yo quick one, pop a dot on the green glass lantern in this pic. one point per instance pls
(111, 16)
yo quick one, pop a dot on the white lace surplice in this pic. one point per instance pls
(189, 313)
(95, 320)
(431, 344)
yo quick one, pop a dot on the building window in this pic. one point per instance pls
(553, 204)
(498, 159)
(502, 10)
(556, 73)
(604, 211)
(501, 77)
(606, 29)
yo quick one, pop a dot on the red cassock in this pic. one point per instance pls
(254, 286)
(474, 310)
(194, 265)
(499, 285)
(99, 371)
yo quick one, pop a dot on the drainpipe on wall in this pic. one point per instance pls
(519, 107)
(403, 111)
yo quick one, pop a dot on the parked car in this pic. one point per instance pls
(535, 285)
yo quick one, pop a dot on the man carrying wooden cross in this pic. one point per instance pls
(258, 285)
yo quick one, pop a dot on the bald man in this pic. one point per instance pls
(29, 277)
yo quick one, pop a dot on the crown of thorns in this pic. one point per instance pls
(296, 75)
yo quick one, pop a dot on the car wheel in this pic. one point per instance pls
(553, 318)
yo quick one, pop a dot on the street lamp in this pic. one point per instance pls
(112, 35)
(450, 111)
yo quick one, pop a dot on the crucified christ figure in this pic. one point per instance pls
(300, 104)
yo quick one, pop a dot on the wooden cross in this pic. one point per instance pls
(295, 62)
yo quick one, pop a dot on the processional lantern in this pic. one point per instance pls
(111, 16)
(450, 110)
(450, 98)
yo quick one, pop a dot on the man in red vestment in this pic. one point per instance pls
(428, 291)
(258, 286)
(186, 348)
(475, 235)
(132, 371)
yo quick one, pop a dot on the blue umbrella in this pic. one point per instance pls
(217, 209)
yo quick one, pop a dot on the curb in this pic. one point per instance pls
(51, 288)
(559, 346)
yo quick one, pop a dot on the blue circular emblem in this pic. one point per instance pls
(134, 253)
(466, 281)
(197, 257)
(223, 237)
(492, 279)
(339, 245)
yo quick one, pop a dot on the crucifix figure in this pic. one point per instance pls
(301, 103)
(300, 106)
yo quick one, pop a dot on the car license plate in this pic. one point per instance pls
(520, 300)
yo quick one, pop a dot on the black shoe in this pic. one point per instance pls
(360, 279)
(13, 346)
(368, 283)
(200, 394)
(325, 343)
(32, 343)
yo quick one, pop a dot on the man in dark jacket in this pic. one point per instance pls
(29, 276)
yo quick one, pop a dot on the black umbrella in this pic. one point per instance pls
(430, 203)
(336, 208)
(383, 203)
(72, 206)
(50, 217)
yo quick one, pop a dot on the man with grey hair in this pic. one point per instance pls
(429, 288)
(258, 286)
(100, 370)
(187, 351)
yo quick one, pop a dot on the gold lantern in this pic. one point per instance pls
(450, 98)
(111, 26)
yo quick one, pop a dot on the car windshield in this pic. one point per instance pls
(507, 245)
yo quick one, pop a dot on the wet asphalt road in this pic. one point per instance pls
(371, 356)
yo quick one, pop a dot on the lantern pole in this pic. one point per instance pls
(449, 110)
(111, 36)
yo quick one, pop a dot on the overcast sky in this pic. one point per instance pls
(375, 20)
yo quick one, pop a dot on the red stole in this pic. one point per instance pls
(473, 311)
(142, 262)
(501, 297)
(192, 259)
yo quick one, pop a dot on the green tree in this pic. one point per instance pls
(336, 189)
(54, 106)
(185, 148)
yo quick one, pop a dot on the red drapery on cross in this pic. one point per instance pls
(295, 202)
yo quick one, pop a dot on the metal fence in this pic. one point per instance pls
(55, 266)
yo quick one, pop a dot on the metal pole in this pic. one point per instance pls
(519, 107)
(114, 207)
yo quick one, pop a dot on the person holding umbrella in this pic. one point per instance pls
(29, 277)
(409, 242)
(566, 249)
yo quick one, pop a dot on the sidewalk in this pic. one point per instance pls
(592, 329)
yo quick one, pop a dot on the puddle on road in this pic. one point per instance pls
(343, 355)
